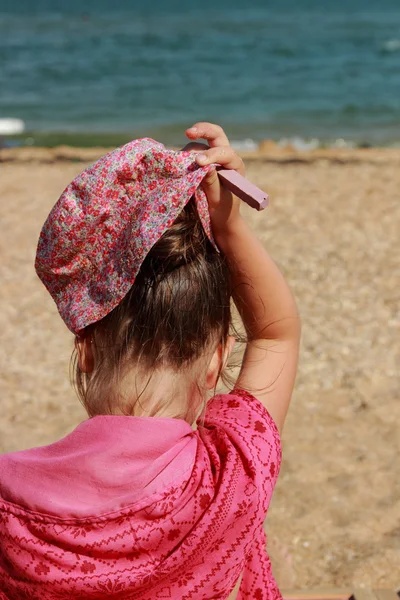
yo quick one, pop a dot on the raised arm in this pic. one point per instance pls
(261, 294)
(270, 318)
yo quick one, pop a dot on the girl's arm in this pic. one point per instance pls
(270, 318)
(261, 294)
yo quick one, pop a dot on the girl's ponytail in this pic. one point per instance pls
(184, 242)
(178, 306)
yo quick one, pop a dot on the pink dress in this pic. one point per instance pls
(143, 508)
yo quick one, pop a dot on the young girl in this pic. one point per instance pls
(142, 254)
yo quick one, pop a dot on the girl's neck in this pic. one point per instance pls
(164, 393)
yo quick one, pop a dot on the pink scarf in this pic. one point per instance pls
(143, 508)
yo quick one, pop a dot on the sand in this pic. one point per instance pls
(333, 227)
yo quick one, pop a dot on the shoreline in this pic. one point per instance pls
(268, 151)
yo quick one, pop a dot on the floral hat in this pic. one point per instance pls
(106, 221)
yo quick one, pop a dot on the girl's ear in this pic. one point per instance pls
(230, 342)
(84, 349)
(218, 362)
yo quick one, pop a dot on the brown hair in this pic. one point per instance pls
(178, 306)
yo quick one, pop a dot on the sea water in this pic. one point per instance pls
(309, 71)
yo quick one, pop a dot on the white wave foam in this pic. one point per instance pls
(391, 45)
(299, 143)
(11, 126)
(342, 143)
(296, 142)
(302, 144)
(247, 144)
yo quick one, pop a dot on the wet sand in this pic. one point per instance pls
(333, 227)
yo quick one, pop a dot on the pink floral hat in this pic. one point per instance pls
(99, 232)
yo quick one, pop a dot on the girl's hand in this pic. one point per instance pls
(223, 206)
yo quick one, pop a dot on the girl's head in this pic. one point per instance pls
(168, 339)
(128, 256)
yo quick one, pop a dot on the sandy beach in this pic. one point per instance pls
(332, 226)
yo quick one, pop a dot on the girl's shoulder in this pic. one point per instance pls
(244, 434)
(242, 410)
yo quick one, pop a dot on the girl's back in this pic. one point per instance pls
(143, 507)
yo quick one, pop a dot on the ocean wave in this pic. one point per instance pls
(391, 45)
(247, 144)
(299, 143)
(90, 140)
(296, 143)
(303, 144)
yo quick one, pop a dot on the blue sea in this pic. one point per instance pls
(312, 71)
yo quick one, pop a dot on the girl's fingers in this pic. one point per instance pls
(224, 156)
(214, 134)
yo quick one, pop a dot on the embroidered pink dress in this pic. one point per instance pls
(143, 508)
